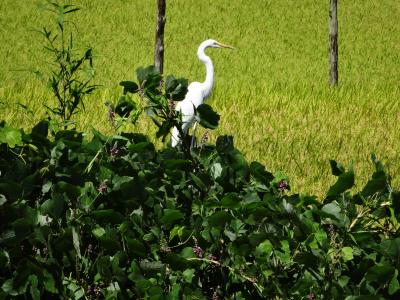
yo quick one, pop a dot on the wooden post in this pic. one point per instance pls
(159, 45)
(333, 39)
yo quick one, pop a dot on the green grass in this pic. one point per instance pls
(271, 91)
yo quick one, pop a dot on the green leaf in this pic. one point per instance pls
(380, 273)
(177, 262)
(35, 293)
(345, 181)
(107, 216)
(332, 209)
(224, 144)
(239, 165)
(177, 164)
(264, 249)
(337, 168)
(4, 258)
(208, 117)
(176, 89)
(188, 275)
(216, 170)
(258, 171)
(110, 240)
(8, 288)
(41, 129)
(136, 247)
(219, 219)
(377, 183)
(321, 237)
(394, 283)
(267, 273)
(75, 239)
(129, 86)
(10, 136)
(142, 147)
(148, 237)
(46, 187)
(98, 231)
(170, 216)
(155, 293)
(187, 252)
(391, 248)
(232, 236)
(176, 231)
(49, 283)
(284, 255)
(347, 253)
(164, 129)
(120, 181)
(65, 188)
(124, 106)
(55, 206)
(11, 190)
(200, 185)
(29, 183)
(2, 199)
(175, 291)
(395, 195)
(149, 77)
(23, 226)
(343, 281)
(79, 293)
(98, 136)
(230, 200)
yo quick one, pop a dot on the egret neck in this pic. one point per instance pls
(208, 83)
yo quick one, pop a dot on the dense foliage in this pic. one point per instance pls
(279, 69)
(112, 217)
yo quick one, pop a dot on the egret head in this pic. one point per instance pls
(214, 44)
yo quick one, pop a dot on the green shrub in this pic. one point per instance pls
(72, 73)
(112, 217)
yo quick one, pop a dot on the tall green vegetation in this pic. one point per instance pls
(111, 217)
(271, 92)
(70, 78)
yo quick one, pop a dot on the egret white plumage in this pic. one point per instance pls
(197, 92)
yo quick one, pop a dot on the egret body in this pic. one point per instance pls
(197, 92)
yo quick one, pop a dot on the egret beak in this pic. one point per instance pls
(225, 46)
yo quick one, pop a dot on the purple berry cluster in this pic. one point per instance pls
(197, 249)
(283, 185)
(102, 189)
(114, 151)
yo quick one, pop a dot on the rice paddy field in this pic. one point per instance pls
(272, 91)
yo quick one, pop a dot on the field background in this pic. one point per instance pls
(271, 91)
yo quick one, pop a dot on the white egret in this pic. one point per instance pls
(197, 92)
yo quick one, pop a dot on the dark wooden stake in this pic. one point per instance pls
(333, 39)
(159, 47)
